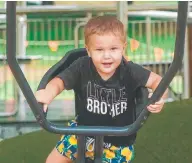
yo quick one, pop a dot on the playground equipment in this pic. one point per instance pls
(97, 131)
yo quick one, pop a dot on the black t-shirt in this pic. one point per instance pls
(105, 103)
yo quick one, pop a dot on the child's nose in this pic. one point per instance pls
(106, 54)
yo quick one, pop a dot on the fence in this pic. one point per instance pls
(150, 43)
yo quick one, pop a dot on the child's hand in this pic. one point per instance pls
(156, 107)
(44, 97)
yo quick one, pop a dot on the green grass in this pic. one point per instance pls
(165, 138)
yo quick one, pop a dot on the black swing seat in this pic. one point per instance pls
(70, 57)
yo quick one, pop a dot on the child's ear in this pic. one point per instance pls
(124, 49)
(87, 50)
(125, 45)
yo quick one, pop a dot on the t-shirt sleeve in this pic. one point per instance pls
(71, 75)
(139, 74)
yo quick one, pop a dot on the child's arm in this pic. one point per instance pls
(152, 83)
(66, 79)
(53, 88)
(144, 77)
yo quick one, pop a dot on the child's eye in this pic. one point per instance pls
(114, 48)
(99, 49)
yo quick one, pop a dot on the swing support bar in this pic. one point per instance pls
(97, 131)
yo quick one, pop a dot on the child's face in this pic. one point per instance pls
(106, 52)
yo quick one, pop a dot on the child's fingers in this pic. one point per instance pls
(154, 109)
(150, 94)
(154, 106)
(160, 102)
(157, 106)
(151, 108)
(45, 106)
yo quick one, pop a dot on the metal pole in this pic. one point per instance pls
(81, 141)
(87, 8)
(186, 72)
(148, 34)
(98, 149)
(122, 13)
(190, 57)
(21, 51)
(21, 33)
(186, 69)
(76, 33)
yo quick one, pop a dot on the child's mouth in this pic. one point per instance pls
(107, 65)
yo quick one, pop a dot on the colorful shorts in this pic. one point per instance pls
(67, 146)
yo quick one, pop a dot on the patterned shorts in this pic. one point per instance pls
(67, 146)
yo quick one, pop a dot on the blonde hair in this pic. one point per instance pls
(103, 25)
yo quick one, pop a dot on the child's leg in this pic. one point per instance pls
(56, 157)
(65, 150)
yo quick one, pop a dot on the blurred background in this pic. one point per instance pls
(46, 30)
